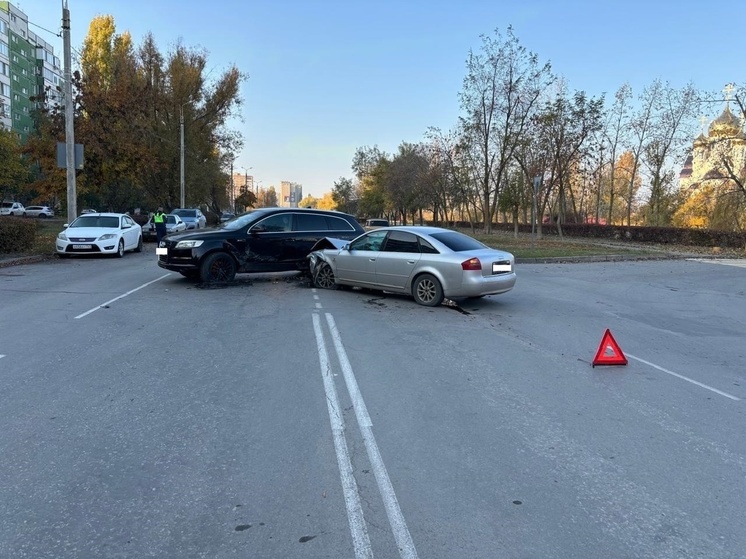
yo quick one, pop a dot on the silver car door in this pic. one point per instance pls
(397, 260)
(357, 263)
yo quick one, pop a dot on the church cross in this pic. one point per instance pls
(702, 122)
(728, 91)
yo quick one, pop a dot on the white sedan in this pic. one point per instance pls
(428, 263)
(100, 233)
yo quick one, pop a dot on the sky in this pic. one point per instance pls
(326, 77)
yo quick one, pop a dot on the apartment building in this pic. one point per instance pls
(28, 68)
(291, 193)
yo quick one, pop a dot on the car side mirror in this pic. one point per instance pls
(257, 229)
(346, 247)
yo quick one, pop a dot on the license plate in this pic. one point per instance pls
(161, 250)
(82, 247)
(498, 267)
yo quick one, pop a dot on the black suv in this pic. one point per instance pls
(262, 240)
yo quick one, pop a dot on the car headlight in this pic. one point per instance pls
(62, 237)
(107, 236)
(189, 244)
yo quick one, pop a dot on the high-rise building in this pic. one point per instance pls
(28, 69)
(291, 193)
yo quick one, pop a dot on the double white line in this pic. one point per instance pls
(360, 539)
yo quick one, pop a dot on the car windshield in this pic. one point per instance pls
(458, 242)
(186, 213)
(241, 221)
(110, 222)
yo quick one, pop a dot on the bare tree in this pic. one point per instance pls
(501, 87)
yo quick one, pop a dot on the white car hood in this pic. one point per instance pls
(88, 232)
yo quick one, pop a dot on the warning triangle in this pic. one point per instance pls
(609, 352)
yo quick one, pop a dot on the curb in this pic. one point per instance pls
(19, 260)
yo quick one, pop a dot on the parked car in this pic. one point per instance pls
(174, 224)
(428, 263)
(100, 233)
(262, 240)
(38, 211)
(225, 216)
(88, 211)
(376, 223)
(11, 208)
(193, 217)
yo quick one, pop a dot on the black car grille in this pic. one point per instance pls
(81, 239)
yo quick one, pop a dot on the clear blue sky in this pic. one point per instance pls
(329, 76)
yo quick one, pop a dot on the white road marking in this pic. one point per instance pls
(1, 356)
(393, 511)
(682, 377)
(739, 262)
(360, 539)
(121, 296)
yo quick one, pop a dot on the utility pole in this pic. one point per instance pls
(181, 179)
(72, 209)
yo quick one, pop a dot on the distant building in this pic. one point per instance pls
(28, 68)
(291, 193)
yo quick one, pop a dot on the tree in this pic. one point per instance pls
(342, 194)
(501, 87)
(14, 168)
(670, 132)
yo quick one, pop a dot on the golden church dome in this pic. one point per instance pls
(701, 140)
(726, 125)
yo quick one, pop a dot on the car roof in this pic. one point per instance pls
(102, 214)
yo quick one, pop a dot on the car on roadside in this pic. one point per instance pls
(427, 263)
(174, 224)
(88, 211)
(261, 240)
(193, 217)
(38, 211)
(226, 216)
(100, 233)
(371, 223)
(11, 208)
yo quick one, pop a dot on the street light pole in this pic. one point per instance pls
(72, 197)
(181, 177)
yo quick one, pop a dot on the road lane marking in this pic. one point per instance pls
(393, 511)
(358, 529)
(738, 262)
(1, 356)
(682, 377)
(94, 309)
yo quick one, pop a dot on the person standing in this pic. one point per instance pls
(159, 219)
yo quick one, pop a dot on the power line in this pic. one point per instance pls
(58, 34)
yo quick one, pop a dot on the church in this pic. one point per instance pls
(712, 200)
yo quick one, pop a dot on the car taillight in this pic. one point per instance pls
(471, 264)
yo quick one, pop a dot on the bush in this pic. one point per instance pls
(16, 234)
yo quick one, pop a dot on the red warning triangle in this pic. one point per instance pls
(609, 352)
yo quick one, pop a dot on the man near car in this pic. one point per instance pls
(159, 219)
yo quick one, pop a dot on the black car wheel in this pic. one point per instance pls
(218, 266)
(139, 245)
(120, 248)
(427, 291)
(324, 277)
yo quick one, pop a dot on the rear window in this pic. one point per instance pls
(6, 205)
(186, 213)
(458, 242)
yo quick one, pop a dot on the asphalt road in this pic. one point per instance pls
(146, 416)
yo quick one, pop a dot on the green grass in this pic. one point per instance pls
(46, 233)
(523, 246)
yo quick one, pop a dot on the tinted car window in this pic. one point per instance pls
(186, 213)
(339, 224)
(458, 242)
(310, 222)
(371, 241)
(276, 223)
(94, 221)
(427, 248)
(401, 241)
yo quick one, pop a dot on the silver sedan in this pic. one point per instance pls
(428, 263)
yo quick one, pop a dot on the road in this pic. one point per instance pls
(146, 416)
